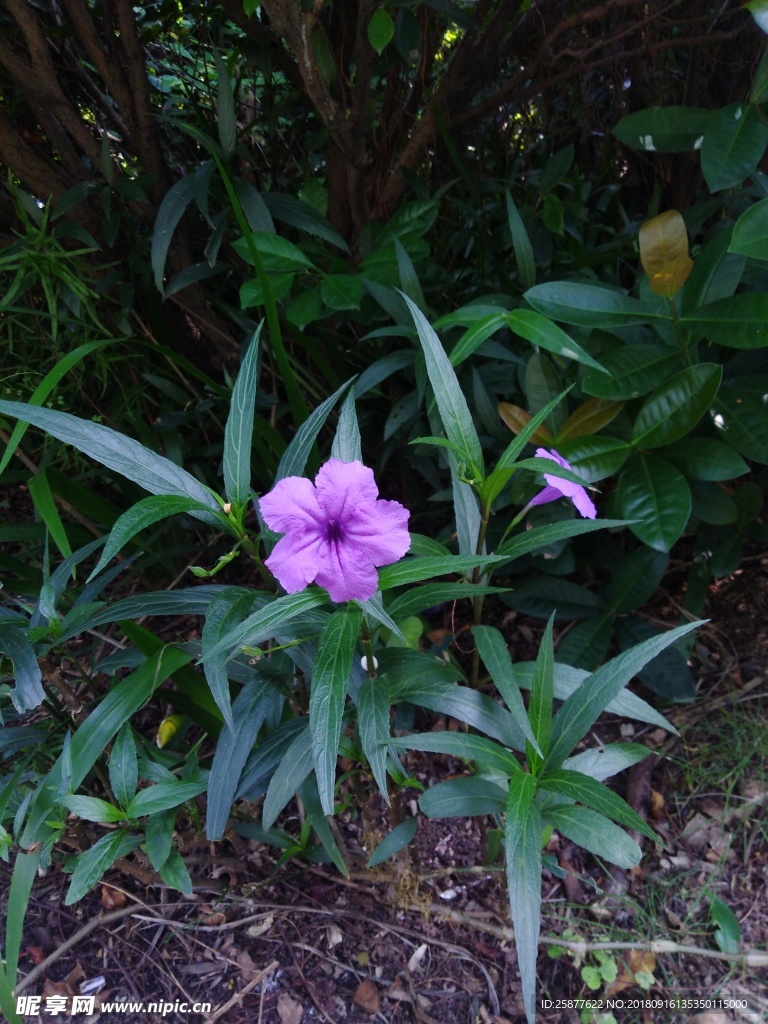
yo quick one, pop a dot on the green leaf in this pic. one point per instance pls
(225, 107)
(145, 513)
(734, 143)
(586, 644)
(262, 624)
(341, 291)
(28, 691)
(542, 694)
(464, 797)
(277, 254)
(635, 579)
(310, 798)
(238, 432)
(174, 873)
(24, 874)
(248, 713)
(702, 458)
(255, 292)
(451, 403)
(546, 595)
(299, 214)
(553, 214)
(750, 235)
(597, 796)
(330, 679)
(424, 567)
(582, 708)
(588, 305)
(602, 762)
(511, 453)
(117, 452)
(400, 836)
(630, 371)
(124, 766)
(595, 833)
(540, 331)
(522, 841)
(409, 280)
(728, 933)
(741, 420)
(664, 129)
(42, 498)
(418, 599)
(496, 658)
(294, 767)
(175, 202)
(373, 725)
(381, 30)
(521, 243)
(712, 504)
(295, 457)
(667, 674)
(594, 458)
(92, 809)
(476, 334)
(542, 536)
(92, 863)
(488, 755)
(347, 446)
(164, 796)
(739, 321)
(658, 498)
(158, 837)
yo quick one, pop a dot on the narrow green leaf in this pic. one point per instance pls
(24, 874)
(451, 403)
(418, 599)
(330, 680)
(581, 710)
(124, 766)
(238, 432)
(488, 755)
(395, 841)
(595, 833)
(521, 243)
(294, 767)
(409, 280)
(175, 202)
(42, 498)
(164, 796)
(294, 460)
(347, 445)
(600, 798)
(117, 452)
(602, 762)
(225, 107)
(542, 691)
(540, 331)
(513, 450)
(90, 808)
(373, 725)
(310, 798)
(496, 658)
(590, 305)
(28, 691)
(542, 536)
(522, 842)
(262, 624)
(424, 567)
(464, 797)
(92, 863)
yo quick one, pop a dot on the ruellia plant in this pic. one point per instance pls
(308, 664)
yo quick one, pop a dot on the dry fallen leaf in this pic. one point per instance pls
(417, 957)
(289, 1010)
(35, 953)
(334, 936)
(112, 898)
(259, 929)
(638, 961)
(367, 996)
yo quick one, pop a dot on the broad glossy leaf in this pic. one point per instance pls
(712, 504)
(594, 458)
(330, 680)
(635, 579)
(595, 833)
(489, 755)
(588, 419)
(750, 235)
(739, 321)
(238, 432)
(464, 797)
(277, 254)
(703, 458)
(373, 725)
(395, 841)
(28, 691)
(341, 291)
(664, 129)
(658, 498)
(734, 142)
(522, 842)
(451, 402)
(294, 460)
(92, 863)
(521, 243)
(603, 762)
(675, 408)
(146, 513)
(631, 370)
(248, 712)
(381, 30)
(588, 305)
(117, 452)
(540, 331)
(582, 708)
(600, 798)
(546, 594)
(664, 253)
(742, 422)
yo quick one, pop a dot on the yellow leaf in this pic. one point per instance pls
(516, 418)
(664, 253)
(591, 416)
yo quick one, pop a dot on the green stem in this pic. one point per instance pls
(679, 334)
(477, 602)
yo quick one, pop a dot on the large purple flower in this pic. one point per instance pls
(336, 531)
(559, 488)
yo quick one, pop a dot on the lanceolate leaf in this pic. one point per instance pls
(92, 864)
(597, 796)
(526, 264)
(238, 432)
(542, 332)
(400, 836)
(295, 457)
(262, 624)
(583, 707)
(117, 452)
(224, 613)
(124, 766)
(512, 452)
(522, 841)
(595, 833)
(347, 445)
(373, 724)
(172, 208)
(330, 680)
(295, 766)
(463, 797)
(542, 536)
(451, 403)
(588, 305)
(496, 658)
(424, 567)
(542, 692)
(28, 691)
(475, 748)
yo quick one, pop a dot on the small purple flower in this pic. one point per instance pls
(336, 531)
(559, 488)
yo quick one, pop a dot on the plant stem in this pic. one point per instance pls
(477, 602)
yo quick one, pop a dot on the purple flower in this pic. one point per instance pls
(336, 531)
(559, 488)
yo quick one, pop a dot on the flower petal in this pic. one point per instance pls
(295, 560)
(545, 496)
(343, 487)
(291, 504)
(346, 572)
(380, 532)
(584, 504)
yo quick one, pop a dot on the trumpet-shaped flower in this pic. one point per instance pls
(559, 488)
(337, 531)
